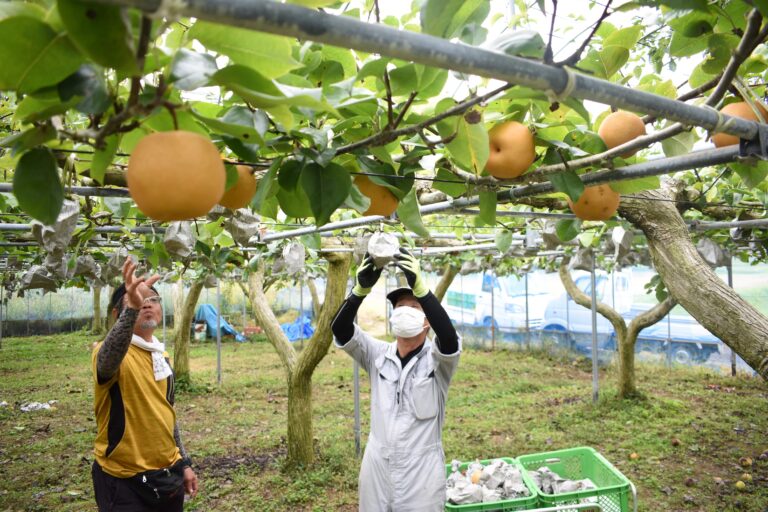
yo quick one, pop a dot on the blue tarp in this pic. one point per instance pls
(301, 328)
(207, 313)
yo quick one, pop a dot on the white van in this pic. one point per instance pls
(484, 299)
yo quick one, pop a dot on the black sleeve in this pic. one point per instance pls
(445, 335)
(343, 325)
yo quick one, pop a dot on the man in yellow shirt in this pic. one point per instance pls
(141, 464)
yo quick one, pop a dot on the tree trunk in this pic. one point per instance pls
(626, 336)
(316, 305)
(177, 295)
(109, 318)
(97, 326)
(449, 273)
(181, 332)
(692, 282)
(299, 368)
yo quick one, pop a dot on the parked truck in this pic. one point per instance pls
(484, 299)
(680, 337)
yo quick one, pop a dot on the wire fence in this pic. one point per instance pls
(490, 312)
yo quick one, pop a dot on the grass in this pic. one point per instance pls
(501, 404)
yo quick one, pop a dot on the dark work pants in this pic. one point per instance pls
(115, 495)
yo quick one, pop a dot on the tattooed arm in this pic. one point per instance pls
(177, 437)
(116, 345)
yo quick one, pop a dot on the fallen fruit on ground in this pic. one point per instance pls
(598, 202)
(740, 485)
(175, 175)
(746, 477)
(675, 441)
(383, 201)
(745, 462)
(241, 193)
(512, 150)
(621, 127)
(634, 456)
(739, 109)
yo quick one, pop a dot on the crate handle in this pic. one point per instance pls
(552, 461)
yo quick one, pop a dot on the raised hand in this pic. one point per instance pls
(136, 288)
(408, 263)
(367, 275)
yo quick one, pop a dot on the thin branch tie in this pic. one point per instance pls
(563, 95)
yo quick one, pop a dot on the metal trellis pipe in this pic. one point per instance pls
(81, 191)
(98, 229)
(345, 32)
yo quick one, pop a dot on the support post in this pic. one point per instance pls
(527, 319)
(730, 283)
(493, 311)
(218, 331)
(595, 380)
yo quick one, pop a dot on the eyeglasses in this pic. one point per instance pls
(155, 299)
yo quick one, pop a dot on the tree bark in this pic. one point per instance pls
(299, 368)
(692, 282)
(449, 274)
(626, 336)
(316, 305)
(109, 318)
(97, 325)
(181, 331)
(178, 303)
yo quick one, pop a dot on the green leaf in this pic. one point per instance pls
(88, 84)
(232, 176)
(569, 183)
(503, 241)
(447, 18)
(409, 214)
(267, 186)
(102, 32)
(37, 186)
(103, 157)
(238, 122)
(625, 38)
(682, 46)
(289, 174)
(752, 175)
(11, 9)
(190, 70)
(41, 106)
(261, 92)
(699, 76)
(454, 188)
(636, 185)
(470, 148)
(33, 55)
(680, 144)
(403, 80)
(567, 229)
(487, 213)
(326, 187)
(586, 238)
(384, 174)
(719, 52)
(28, 139)
(606, 62)
(271, 55)
(295, 203)
(357, 200)
(524, 43)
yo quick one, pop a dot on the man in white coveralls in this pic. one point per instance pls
(403, 467)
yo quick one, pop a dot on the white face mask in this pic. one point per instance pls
(407, 322)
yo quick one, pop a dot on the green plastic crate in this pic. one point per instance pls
(613, 488)
(526, 503)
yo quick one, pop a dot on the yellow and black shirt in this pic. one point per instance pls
(134, 417)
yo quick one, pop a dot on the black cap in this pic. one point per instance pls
(395, 295)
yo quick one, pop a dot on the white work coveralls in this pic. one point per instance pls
(403, 467)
